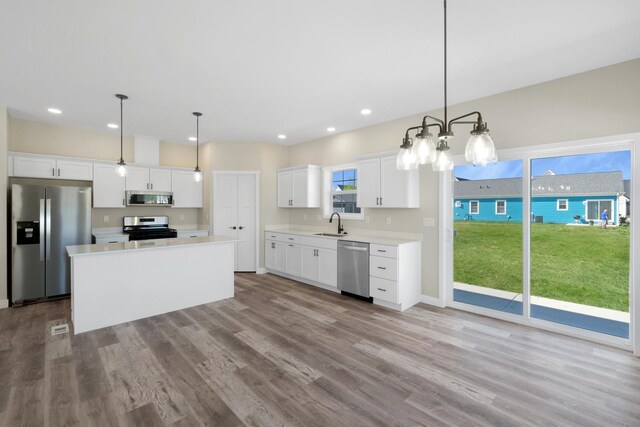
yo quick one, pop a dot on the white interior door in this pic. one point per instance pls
(235, 213)
(246, 211)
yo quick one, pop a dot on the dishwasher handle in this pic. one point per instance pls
(355, 248)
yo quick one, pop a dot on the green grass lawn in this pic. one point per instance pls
(585, 265)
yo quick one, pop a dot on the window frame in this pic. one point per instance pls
(477, 202)
(566, 204)
(327, 191)
(505, 207)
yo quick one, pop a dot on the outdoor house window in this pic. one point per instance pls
(341, 192)
(474, 207)
(563, 205)
(501, 207)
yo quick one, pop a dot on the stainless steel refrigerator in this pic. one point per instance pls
(44, 220)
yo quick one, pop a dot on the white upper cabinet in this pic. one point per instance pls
(51, 167)
(299, 187)
(139, 178)
(381, 185)
(187, 193)
(108, 186)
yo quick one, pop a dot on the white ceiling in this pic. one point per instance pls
(259, 68)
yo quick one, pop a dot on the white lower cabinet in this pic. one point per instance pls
(192, 233)
(394, 275)
(310, 259)
(112, 239)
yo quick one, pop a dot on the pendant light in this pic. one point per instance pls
(480, 149)
(121, 167)
(197, 173)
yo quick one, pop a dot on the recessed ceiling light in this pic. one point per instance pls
(365, 111)
(193, 138)
(281, 136)
(112, 125)
(331, 129)
(54, 110)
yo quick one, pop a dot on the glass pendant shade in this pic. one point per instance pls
(407, 159)
(425, 147)
(197, 175)
(443, 162)
(480, 149)
(121, 169)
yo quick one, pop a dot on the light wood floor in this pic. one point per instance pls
(287, 353)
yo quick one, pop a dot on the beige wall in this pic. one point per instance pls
(596, 103)
(4, 136)
(247, 156)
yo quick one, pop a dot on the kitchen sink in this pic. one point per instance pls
(329, 235)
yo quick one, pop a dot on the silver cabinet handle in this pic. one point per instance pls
(53, 171)
(152, 185)
(382, 268)
(380, 201)
(273, 245)
(58, 171)
(291, 238)
(292, 245)
(381, 250)
(377, 201)
(383, 290)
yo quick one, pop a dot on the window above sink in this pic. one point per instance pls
(340, 192)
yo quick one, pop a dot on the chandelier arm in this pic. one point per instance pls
(457, 119)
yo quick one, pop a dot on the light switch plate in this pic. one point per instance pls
(105, 218)
(429, 222)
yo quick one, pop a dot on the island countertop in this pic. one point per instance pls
(139, 245)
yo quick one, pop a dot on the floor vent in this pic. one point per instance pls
(60, 329)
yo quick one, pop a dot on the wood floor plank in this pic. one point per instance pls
(284, 353)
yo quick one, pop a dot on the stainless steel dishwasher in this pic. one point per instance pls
(353, 268)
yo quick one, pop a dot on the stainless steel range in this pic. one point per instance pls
(148, 227)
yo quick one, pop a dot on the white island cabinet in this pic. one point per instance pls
(120, 282)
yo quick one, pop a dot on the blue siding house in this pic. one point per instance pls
(564, 199)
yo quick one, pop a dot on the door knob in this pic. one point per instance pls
(240, 228)
(233, 228)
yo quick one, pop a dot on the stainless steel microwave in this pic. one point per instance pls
(149, 198)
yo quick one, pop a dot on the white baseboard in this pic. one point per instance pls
(261, 270)
(432, 301)
(4, 303)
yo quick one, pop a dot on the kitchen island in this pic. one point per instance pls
(115, 283)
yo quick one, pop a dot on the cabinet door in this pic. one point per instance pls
(160, 179)
(328, 267)
(187, 193)
(292, 259)
(270, 255)
(284, 189)
(368, 183)
(309, 263)
(137, 178)
(280, 256)
(34, 167)
(393, 184)
(108, 187)
(299, 191)
(73, 169)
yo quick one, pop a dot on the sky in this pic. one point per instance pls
(585, 163)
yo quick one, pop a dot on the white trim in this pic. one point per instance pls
(4, 303)
(477, 212)
(257, 225)
(566, 204)
(445, 238)
(327, 191)
(505, 207)
(261, 270)
(437, 302)
(611, 213)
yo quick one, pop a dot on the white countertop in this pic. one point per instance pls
(154, 244)
(356, 236)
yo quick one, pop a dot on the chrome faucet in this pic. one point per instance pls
(340, 229)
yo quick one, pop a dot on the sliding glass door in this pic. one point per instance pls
(546, 239)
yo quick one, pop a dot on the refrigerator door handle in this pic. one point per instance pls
(41, 229)
(48, 229)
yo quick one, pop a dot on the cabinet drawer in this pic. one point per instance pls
(384, 250)
(384, 289)
(112, 239)
(291, 238)
(270, 235)
(319, 242)
(385, 268)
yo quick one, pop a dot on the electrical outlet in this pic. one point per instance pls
(181, 216)
(105, 218)
(367, 220)
(388, 220)
(429, 222)
(304, 217)
(60, 329)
